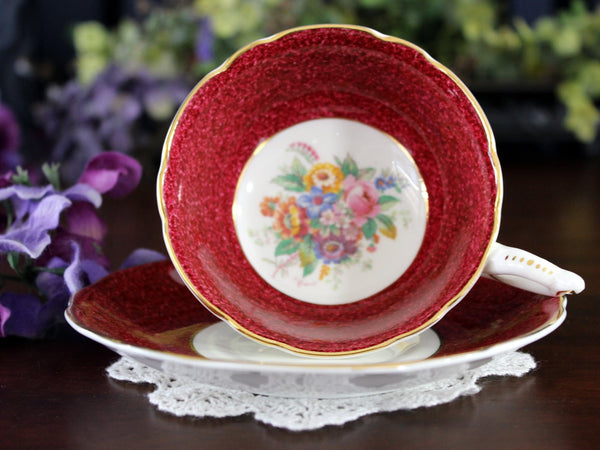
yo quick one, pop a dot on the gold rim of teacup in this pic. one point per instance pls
(492, 153)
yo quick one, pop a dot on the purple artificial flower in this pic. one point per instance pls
(112, 173)
(205, 41)
(108, 115)
(83, 121)
(82, 272)
(82, 192)
(23, 199)
(62, 247)
(9, 130)
(36, 211)
(58, 236)
(6, 179)
(4, 316)
(142, 256)
(10, 140)
(51, 284)
(315, 202)
(82, 225)
(81, 219)
(26, 315)
(29, 316)
(31, 236)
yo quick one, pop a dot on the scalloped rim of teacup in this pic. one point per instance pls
(492, 153)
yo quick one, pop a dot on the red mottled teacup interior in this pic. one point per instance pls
(318, 72)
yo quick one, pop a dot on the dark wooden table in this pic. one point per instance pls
(55, 393)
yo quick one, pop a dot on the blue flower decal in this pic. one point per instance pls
(382, 183)
(316, 202)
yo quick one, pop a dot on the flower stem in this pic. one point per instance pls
(10, 214)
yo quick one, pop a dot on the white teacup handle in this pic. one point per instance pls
(527, 271)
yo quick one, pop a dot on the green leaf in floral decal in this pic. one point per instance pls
(308, 257)
(290, 182)
(369, 228)
(310, 267)
(386, 226)
(387, 201)
(366, 174)
(287, 247)
(297, 168)
(349, 167)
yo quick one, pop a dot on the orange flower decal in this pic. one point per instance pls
(268, 206)
(290, 220)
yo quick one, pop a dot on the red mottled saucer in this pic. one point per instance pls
(330, 72)
(146, 314)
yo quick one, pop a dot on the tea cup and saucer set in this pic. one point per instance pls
(330, 199)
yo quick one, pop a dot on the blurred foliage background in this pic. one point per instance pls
(127, 65)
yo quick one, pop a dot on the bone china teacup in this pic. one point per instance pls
(331, 190)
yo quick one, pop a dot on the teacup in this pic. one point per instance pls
(331, 190)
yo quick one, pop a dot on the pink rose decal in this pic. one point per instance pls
(362, 197)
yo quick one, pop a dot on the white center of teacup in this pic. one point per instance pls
(330, 211)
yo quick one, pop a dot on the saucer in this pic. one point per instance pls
(147, 314)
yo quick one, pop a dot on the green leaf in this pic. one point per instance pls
(386, 226)
(310, 268)
(52, 175)
(290, 182)
(287, 247)
(307, 255)
(297, 168)
(387, 202)
(387, 199)
(13, 261)
(349, 167)
(9, 212)
(21, 177)
(369, 228)
(372, 3)
(366, 174)
(308, 241)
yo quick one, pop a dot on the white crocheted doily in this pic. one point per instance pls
(183, 397)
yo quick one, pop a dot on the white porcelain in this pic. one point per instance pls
(527, 271)
(269, 371)
(221, 342)
(304, 165)
(269, 239)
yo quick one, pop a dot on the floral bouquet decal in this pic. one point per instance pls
(329, 213)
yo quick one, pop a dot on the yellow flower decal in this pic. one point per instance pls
(325, 269)
(325, 176)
